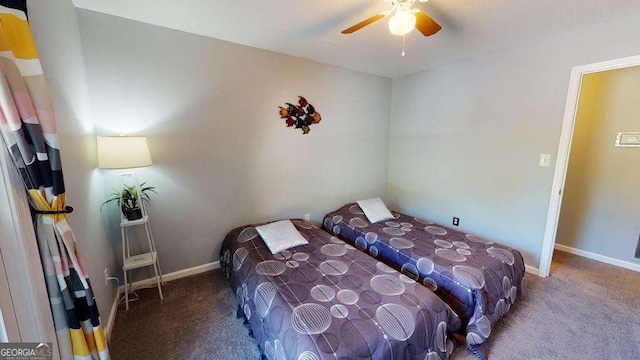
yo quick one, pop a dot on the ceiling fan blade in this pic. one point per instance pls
(364, 23)
(425, 24)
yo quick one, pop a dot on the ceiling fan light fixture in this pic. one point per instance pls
(402, 22)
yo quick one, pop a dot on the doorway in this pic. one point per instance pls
(560, 176)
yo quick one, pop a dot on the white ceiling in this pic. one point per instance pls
(310, 29)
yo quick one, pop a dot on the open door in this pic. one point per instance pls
(564, 148)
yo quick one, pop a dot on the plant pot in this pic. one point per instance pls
(133, 214)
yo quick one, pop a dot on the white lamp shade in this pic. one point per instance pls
(123, 152)
(402, 23)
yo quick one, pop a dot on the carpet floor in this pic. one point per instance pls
(584, 310)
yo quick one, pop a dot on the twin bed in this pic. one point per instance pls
(327, 300)
(478, 278)
(397, 289)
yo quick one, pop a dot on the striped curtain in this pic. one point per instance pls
(28, 127)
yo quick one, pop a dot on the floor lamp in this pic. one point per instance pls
(127, 152)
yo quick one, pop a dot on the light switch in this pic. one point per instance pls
(545, 160)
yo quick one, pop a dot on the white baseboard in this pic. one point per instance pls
(597, 257)
(173, 276)
(112, 316)
(531, 270)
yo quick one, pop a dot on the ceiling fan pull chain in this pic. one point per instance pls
(403, 37)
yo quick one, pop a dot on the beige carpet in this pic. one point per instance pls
(584, 310)
(196, 320)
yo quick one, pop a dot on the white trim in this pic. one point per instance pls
(112, 316)
(598, 257)
(6, 301)
(173, 276)
(531, 270)
(9, 329)
(564, 147)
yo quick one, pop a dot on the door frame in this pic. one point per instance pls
(9, 329)
(564, 149)
(25, 307)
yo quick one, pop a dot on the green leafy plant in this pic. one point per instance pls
(127, 199)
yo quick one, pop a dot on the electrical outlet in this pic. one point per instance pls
(307, 217)
(456, 221)
(106, 277)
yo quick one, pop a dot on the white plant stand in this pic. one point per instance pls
(130, 262)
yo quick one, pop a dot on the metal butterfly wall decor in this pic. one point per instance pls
(300, 116)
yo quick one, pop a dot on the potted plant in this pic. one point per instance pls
(127, 199)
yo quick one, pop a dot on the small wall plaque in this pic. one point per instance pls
(628, 139)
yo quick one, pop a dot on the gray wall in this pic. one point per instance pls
(55, 31)
(222, 157)
(600, 209)
(465, 137)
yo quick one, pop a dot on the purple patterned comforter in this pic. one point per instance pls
(327, 300)
(478, 278)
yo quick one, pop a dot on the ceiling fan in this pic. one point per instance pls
(404, 20)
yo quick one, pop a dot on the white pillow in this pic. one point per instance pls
(375, 210)
(280, 235)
